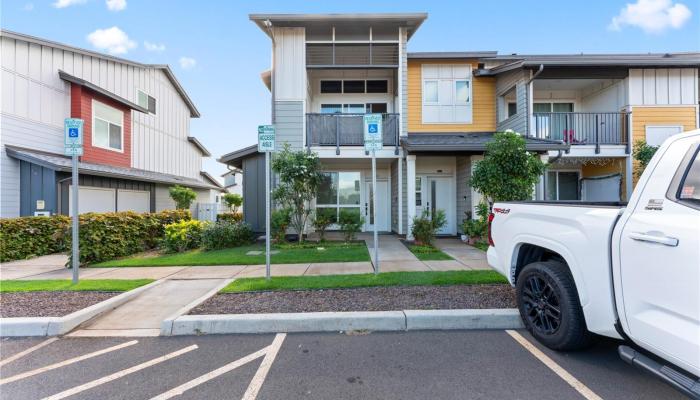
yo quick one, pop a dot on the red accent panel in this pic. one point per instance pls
(81, 107)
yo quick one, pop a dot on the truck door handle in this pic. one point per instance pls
(661, 239)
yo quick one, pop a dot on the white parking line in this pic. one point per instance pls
(264, 368)
(66, 362)
(27, 351)
(120, 374)
(267, 351)
(556, 368)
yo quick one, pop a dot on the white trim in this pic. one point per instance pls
(121, 126)
(453, 87)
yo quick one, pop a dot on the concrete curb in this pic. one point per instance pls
(166, 326)
(52, 326)
(346, 321)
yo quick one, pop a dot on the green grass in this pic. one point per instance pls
(481, 246)
(426, 253)
(288, 254)
(285, 283)
(102, 285)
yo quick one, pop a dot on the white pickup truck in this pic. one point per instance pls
(627, 271)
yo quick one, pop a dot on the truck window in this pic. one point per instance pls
(685, 186)
(690, 186)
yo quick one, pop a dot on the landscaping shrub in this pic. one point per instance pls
(642, 153)
(184, 235)
(26, 237)
(350, 223)
(279, 222)
(183, 196)
(233, 201)
(425, 228)
(321, 223)
(223, 235)
(476, 228)
(229, 217)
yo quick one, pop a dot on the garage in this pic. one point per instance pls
(93, 199)
(133, 200)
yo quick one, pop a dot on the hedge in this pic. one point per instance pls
(103, 236)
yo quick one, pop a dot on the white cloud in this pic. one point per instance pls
(28, 7)
(67, 3)
(113, 40)
(155, 47)
(187, 62)
(652, 16)
(115, 5)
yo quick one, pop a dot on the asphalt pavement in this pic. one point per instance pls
(406, 365)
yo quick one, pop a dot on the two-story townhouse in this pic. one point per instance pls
(598, 104)
(137, 140)
(442, 108)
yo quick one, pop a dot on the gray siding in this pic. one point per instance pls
(402, 163)
(504, 83)
(289, 123)
(404, 82)
(463, 190)
(395, 196)
(39, 184)
(254, 192)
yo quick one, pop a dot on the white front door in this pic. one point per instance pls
(382, 206)
(440, 196)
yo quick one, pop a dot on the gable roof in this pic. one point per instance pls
(199, 145)
(82, 82)
(194, 113)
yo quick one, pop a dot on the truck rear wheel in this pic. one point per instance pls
(549, 306)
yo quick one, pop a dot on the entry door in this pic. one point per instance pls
(382, 206)
(660, 264)
(441, 197)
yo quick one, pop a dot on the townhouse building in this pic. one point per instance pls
(137, 139)
(581, 113)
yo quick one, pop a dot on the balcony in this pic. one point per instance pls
(583, 128)
(340, 130)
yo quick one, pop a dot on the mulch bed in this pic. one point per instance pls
(361, 299)
(48, 304)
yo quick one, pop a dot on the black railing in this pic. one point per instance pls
(583, 128)
(347, 130)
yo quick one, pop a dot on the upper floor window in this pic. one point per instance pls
(147, 102)
(355, 86)
(447, 93)
(107, 127)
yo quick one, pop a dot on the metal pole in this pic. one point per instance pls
(75, 237)
(374, 211)
(267, 215)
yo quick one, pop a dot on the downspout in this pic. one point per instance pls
(530, 96)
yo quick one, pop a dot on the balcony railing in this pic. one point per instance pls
(583, 128)
(347, 130)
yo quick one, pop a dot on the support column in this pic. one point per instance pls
(411, 193)
(475, 196)
(540, 188)
(399, 185)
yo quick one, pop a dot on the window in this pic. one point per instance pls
(512, 109)
(147, 102)
(376, 86)
(331, 86)
(339, 192)
(656, 135)
(562, 185)
(359, 108)
(685, 186)
(331, 108)
(353, 86)
(107, 130)
(553, 107)
(447, 93)
(419, 192)
(353, 108)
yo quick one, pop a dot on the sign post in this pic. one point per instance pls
(374, 142)
(73, 141)
(266, 144)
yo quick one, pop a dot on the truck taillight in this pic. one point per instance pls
(491, 216)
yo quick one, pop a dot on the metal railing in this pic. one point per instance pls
(583, 128)
(347, 130)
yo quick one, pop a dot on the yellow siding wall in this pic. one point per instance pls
(614, 166)
(483, 101)
(643, 116)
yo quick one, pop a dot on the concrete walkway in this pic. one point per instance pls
(25, 268)
(468, 256)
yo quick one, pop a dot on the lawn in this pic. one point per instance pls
(102, 285)
(426, 253)
(481, 245)
(286, 254)
(441, 278)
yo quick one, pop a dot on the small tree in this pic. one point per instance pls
(426, 226)
(508, 171)
(300, 177)
(183, 196)
(350, 223)
(233, 201)
(642, 152)
(321, 223)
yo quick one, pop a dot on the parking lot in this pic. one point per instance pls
(416, 365)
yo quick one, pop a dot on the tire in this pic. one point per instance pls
(549, 306)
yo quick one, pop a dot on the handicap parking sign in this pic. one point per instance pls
(73, 132)
(372, 128)
(373, 131)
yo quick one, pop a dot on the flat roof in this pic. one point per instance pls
(236, 157)
(450, 54)
(410, 20)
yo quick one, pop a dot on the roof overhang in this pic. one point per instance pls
(211, 179)
(445, 55)
(235, 158)
(199, 145)
(412, 21)
(468, 142)
(106, 93)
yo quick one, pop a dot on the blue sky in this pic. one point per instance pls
(218, 54)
